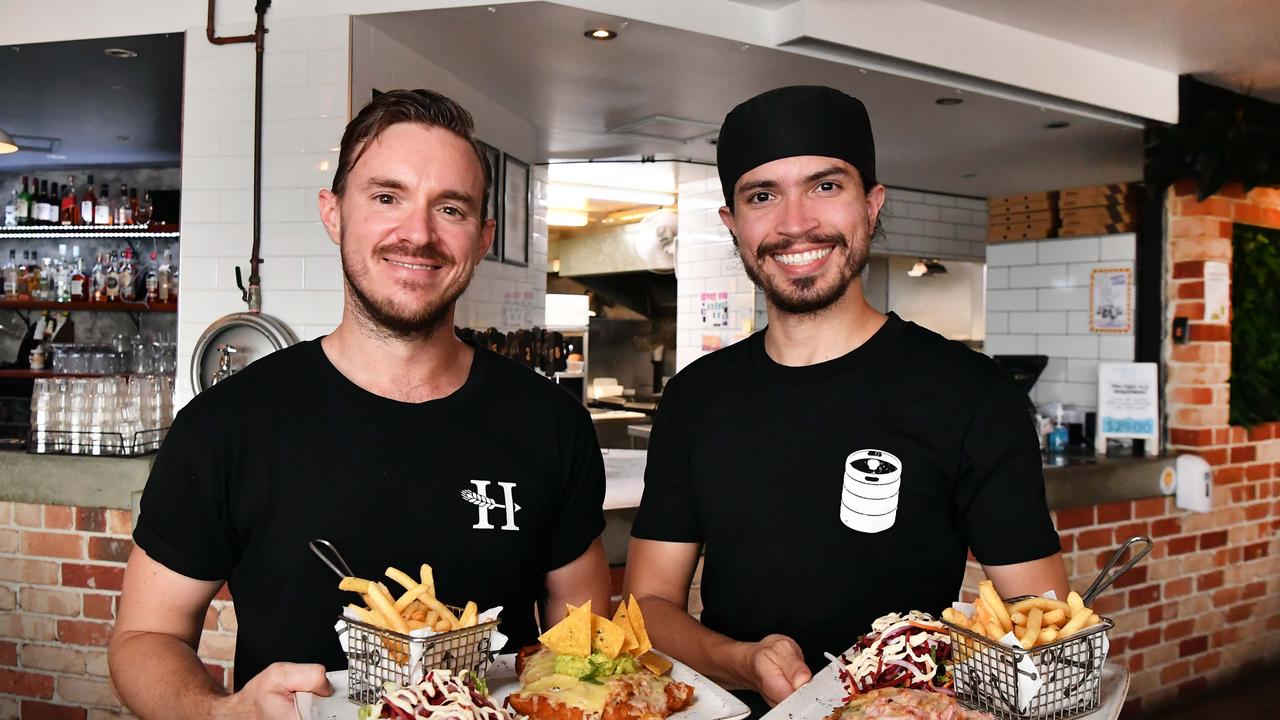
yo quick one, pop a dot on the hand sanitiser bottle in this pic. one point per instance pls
(1058, 436)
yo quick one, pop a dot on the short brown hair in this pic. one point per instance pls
(424, 107)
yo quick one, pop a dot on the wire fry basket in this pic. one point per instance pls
(986, 673)
(376, 656)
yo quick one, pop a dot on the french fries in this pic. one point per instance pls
(417, 608)
(1034, 621)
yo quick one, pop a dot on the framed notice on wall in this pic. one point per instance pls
(1128, 405)
(515, 211)
(1111, 300)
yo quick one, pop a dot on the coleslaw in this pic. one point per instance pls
(442, 695)
(904, 651)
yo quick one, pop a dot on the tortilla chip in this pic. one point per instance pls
(572, 635)
(637, 624)
(606, 637)
(622, 620)
(654, 663)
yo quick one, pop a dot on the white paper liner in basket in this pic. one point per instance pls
(1030, 676)
(417, 666)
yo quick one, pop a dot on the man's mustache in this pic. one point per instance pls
(430, 253)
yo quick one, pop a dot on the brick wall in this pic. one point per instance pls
(1038, 304)
(60, 573)
(1204, 608)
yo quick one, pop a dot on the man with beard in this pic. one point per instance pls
(389, 437)
(839, 464)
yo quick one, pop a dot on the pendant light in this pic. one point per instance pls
(7, 145)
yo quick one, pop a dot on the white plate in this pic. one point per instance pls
(824, 693)
(710, 701)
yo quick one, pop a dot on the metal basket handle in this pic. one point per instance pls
(1106, 577)
(336, 563)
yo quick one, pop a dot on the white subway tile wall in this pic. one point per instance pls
(1038, 304)
(217, 176)
(706, 262)
(943, 226)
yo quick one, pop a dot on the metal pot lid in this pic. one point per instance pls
(253, 335)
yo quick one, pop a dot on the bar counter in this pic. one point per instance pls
(108, 482)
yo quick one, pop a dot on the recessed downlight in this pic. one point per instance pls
(966, 176)
(949, 101)
(601, 34)
(120, 53)
(1057, 125)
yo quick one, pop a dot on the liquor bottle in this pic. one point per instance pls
(88, 202)
(164, 278)
(46, 291)
(102, 207)
(24, 204)
(67, 209)
(10, 275)
(11, 210)
(142, 211)
(79, 293)
(126, 273)
(124, 212)
(98, 280)
(41, 203)
(152, 282)
(28, 277)
(133, 206)
(112, 279)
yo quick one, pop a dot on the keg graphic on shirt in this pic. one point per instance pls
(869, 500)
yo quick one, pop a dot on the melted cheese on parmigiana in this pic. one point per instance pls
(540, 678)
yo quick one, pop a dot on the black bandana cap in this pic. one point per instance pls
(793, 121)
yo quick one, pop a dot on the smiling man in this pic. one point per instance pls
(389, 437)
(839, 464)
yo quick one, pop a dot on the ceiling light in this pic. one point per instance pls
(120, 53)
(948, 101)
(969, 175)
(927, 268)
(566, 218)
(600, 34)
(1057, 125)
(7, 145)
(918, 270)
(935, 268)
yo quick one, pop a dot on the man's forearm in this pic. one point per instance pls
(160, 676)
(677, 633)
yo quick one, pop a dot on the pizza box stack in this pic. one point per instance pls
(1099, 209)
(1029, 216)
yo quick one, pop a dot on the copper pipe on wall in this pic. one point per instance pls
(252, 295)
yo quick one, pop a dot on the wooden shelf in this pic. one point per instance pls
(134, 307)
(37, 374)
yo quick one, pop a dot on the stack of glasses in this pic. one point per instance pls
(100, 416)
(139, 354)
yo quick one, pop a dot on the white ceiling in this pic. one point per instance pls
(534, 61)
(1232, 43)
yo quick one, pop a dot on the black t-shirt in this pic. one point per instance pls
(828, 495)
(289, 449)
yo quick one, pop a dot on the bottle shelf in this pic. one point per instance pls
(119, 306)
(39, 374)
(54, 232)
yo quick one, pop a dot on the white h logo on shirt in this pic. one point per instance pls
(480, 498)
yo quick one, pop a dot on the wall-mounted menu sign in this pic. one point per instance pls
(1111, 300)
(1128, 404)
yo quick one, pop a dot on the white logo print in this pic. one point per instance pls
(869, 502)
(480, 498)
